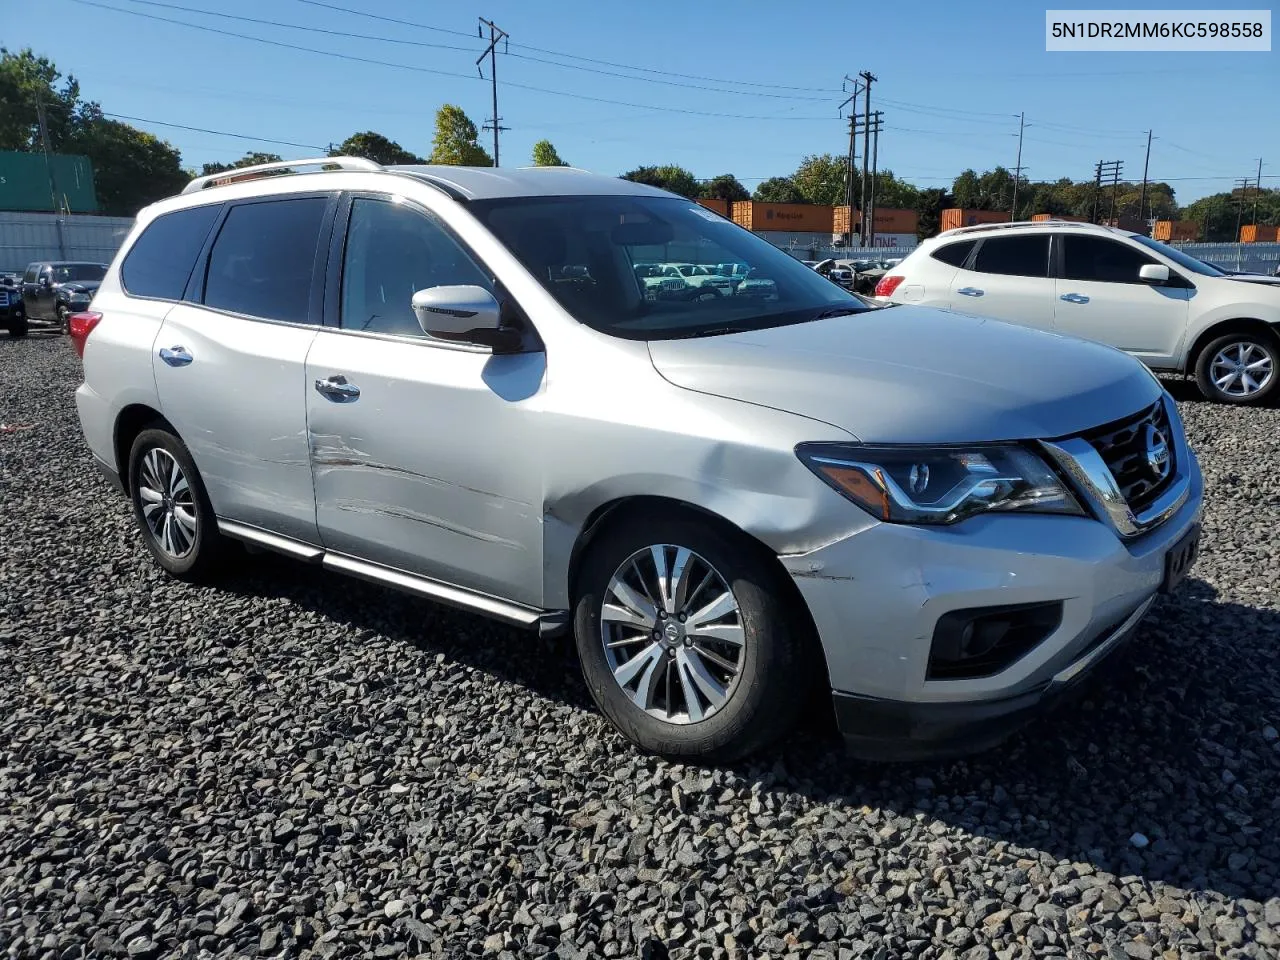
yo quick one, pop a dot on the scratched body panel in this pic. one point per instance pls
(431, 470)
(238, 407)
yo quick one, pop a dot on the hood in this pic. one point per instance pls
(917, 375)
(79, 286)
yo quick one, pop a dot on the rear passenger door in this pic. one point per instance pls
(230, 360)
(1007, 277)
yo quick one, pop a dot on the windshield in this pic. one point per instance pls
(611, 263)
(78, 271)
(1180, 258)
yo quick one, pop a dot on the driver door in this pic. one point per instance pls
(424, 452)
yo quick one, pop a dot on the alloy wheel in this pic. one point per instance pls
(673, 634)
(168, 503)
(1241, 369)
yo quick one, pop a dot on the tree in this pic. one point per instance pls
(544, 155)
(375, 147)
(26, 79)
(965, 190)
(131, 168)
(725, 187)
(821, 179)
(248, 160)
(668, 177)
(455, 140)
(929, 206)
(778, 190)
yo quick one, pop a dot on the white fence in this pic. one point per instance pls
(25, 237)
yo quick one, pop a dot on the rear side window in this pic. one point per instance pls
(262, 261)
(32, 273)
(954, 253)
(159, 263)
(1026, 256)
(1097, 258)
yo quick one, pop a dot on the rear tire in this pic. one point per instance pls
(1239, 368)
(746, 670)
(172, 508)
(63, 322)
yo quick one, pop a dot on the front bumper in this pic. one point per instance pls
(877, 595)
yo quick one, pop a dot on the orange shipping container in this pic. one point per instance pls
(954, 217)
(798, 217)
(1251, 233)
(1045, 217)
(1176, 231)
(719, 206)
(888, 220)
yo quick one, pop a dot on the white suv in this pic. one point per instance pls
(1168, 309)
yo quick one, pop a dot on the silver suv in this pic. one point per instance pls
(451, 381)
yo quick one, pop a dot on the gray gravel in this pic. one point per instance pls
(300, 765)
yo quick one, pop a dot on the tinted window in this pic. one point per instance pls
(64, 272)
(33, 271)
(159, 264)
(392, 252)
(1097, 258)
(1202, 267)
(953, 253)
(261, 262)
(1026, 256)
(585, 251)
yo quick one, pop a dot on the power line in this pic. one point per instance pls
(441, 73)
(346, 34)
(570, 56)
(220, 133)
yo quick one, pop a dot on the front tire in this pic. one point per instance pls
(18, 327)
(686, 639)
(1239, 368)
(172, 508)
(63, 314)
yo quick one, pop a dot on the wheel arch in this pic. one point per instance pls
(130, 422)
(1222, 328)
(622, 509)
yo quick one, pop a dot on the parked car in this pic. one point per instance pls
(940, 522)
(1244, 275)
(1172, 311)
(13, 317)
(835, 271)
(53, 290)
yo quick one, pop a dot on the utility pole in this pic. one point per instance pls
(867, 80)
(1017, 170)
(1239, 195)
(54, 194)
(851, 164)
(1111, 170)
(496, 33)
(1257, 190)
(1146, 164)
(875, 154)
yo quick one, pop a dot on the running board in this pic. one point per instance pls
(546, 622)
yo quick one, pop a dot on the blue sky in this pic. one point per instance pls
(952, 77)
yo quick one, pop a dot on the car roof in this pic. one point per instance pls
(483, 183)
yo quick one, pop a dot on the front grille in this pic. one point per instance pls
(1123, 447)
(4, 298)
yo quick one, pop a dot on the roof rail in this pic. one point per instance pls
(1005, 225)
(260, 170)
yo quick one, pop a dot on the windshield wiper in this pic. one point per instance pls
(841, 311)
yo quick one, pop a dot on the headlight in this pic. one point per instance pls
(939, 485)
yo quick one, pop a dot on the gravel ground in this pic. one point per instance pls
(300, 765)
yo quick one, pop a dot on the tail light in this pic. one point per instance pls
(79, 326)
(887, 285)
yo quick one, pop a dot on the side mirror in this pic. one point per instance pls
(1153, 273)
(468, 313)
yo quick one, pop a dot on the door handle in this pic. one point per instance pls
(1074, 298)
(175, 356)
(970, 292)
(337, 389)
